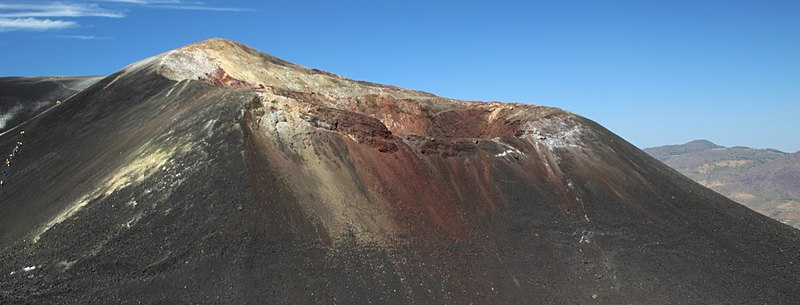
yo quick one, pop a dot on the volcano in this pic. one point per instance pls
(217, 174)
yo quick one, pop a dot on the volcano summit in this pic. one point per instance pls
(218, 174)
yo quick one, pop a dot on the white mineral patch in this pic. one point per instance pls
(510, 150)
(555, 133)
(583, 206)
(27, 269)
(508, 153)
(186, 65)
(586, 237)
(64, 265)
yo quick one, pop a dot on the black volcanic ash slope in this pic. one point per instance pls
(24, 97)
(218, 174)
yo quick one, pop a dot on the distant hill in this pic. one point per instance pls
(765, 180)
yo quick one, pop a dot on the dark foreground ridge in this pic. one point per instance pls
(218, 174)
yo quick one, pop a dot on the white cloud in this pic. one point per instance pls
(38, 24)
(36, 16)
(57, 9)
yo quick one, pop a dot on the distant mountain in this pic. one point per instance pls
(667, 151)
(765, 180)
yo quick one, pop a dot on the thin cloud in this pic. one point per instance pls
(180, 5)
(85, 37)
(143, 1)
(204, 8)
(58, 15)
(35, 24)
(57, 9)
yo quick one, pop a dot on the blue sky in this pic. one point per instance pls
(655, 72)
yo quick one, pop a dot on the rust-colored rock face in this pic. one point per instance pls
(218, 77)
(218, 174)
